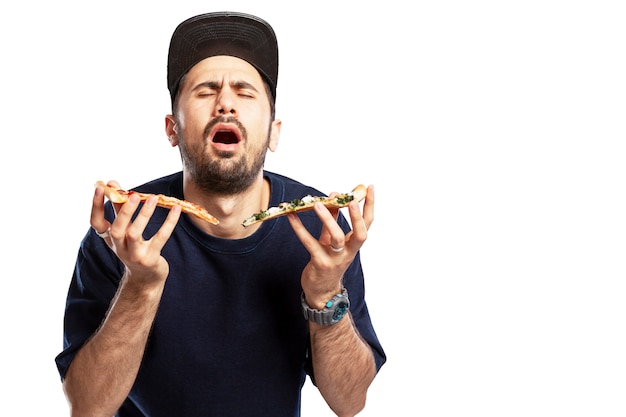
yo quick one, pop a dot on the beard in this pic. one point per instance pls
(225, 174)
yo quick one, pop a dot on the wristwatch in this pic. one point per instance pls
(333, 311)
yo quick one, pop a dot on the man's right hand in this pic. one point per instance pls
(124, 236)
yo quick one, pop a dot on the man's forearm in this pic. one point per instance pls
(343, 364)
(104, 370)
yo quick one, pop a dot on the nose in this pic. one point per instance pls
(225, 103)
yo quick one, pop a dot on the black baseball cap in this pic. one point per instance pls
(223, 33)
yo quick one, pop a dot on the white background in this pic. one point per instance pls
(492, 130)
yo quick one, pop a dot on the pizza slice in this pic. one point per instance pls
(307, 203)
(121, 196)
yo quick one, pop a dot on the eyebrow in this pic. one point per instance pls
(215, 85)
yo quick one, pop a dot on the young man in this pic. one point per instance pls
(169, 315)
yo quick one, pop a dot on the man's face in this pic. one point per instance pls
(223, 124)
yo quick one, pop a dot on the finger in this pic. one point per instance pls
(359, 227)
(97, 220)
(336, 235)
(333, 210)
(115, 185)
(124, 217)
(309, 242)
(361, 222)
(136, 229)
(368, 207)
(325, 237)
(165, 231)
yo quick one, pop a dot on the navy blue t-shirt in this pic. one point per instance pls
(229, 337)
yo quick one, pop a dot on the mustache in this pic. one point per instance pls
(225, 119)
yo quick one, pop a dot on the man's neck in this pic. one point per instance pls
(230, 210)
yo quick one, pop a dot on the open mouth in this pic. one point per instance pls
(227, 137)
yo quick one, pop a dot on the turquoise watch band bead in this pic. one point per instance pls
(334, 310)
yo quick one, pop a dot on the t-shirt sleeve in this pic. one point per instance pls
(96, 276)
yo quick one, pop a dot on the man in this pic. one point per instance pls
(168, 315)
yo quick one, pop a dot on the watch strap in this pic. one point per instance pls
(333, 311)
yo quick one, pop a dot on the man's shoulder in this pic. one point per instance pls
(286, 189)
(171, 185)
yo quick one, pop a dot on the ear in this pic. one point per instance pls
(170, 130)
(274, 135)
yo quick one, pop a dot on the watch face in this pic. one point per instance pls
(340, 310)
